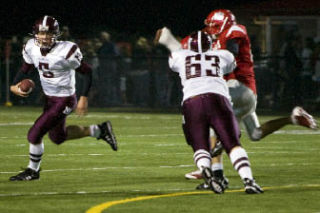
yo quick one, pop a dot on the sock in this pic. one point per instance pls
(240, 162)
(202, 159)
(94, 130)
(217, 169)
(35, 154)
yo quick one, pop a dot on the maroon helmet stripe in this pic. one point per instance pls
(50, 23)
(71, 51)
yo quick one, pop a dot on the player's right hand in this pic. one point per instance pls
(157, 36)
(15, 89)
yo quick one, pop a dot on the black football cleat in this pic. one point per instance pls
(27, 174)
(251, 187)
(224, 182)
(107, 135)
(214, 184)
(216, 150)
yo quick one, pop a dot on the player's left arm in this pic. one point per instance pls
(86, 71)
(236, 35)
(233, 46)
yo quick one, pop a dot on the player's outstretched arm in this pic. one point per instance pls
(82, 107)
(15, 89)
(86, 71)
(164, 36)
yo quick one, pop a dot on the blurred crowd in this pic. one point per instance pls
(291, 75)
(134, 72)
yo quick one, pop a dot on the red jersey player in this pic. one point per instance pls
(227, 34)
(221, 24)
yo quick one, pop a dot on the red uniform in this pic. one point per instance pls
(244, 70)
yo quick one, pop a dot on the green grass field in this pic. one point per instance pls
(151, 161)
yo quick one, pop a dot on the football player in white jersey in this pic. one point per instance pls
(56, 62)
(206, 103)
(244, 105)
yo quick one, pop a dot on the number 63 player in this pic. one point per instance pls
(206, 104)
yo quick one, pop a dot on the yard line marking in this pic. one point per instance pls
(161, 166)
(101, 154)
(156, 190)
(101, 207)
(101, 168)
(298, 132)
(150, 135)
(17, 124)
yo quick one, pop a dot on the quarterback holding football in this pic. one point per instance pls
(56, 62)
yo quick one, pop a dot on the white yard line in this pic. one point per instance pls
(146, 190)
(143, 167)
(17, 124)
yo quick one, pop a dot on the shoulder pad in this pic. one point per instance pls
(236, 31)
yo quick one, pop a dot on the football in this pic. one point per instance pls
(26, 85)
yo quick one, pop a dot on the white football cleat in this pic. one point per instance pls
(300, 117)
(195, 175)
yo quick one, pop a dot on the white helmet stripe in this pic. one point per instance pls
(199, 42)
(224, 23)
(44, 22)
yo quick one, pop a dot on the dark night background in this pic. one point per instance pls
(85, 18)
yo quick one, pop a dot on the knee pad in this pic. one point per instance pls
(252, 126)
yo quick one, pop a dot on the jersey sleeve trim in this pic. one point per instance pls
(236, 31)
(71, 51)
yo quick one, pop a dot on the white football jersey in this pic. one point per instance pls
(202, 73)
(56, 68)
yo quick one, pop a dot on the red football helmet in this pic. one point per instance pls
(219, 20)
(184, 42)
(46, 31)
(200, 42)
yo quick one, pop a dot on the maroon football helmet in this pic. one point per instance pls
(199, 42)
(46, 31)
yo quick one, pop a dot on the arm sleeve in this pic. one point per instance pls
(233, 46)
(23, 72)
(86, 71)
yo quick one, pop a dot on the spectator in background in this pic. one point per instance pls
(109, 77)
(125, 49)
(293, 66)
(316, 64)
(161, 73)
(140, 74)
(65, 34)
(255, 48)
(307, 68)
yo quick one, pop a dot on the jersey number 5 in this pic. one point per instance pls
(44, 67)
(197, 66)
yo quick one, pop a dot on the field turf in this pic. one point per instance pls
(147, 172)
